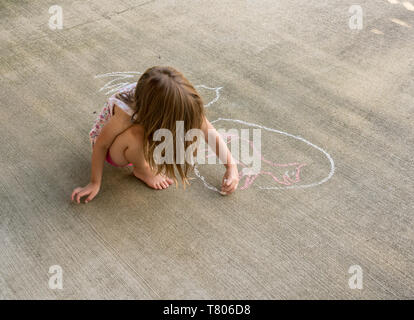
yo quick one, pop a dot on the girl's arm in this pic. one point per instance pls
(231, 176)
(118, 123)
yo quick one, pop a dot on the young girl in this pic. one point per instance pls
(123, 132)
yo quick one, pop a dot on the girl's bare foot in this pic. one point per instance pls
(127, 148)
(153, 181)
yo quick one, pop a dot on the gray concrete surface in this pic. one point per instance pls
(294, 66)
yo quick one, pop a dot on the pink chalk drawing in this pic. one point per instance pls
(291, 179)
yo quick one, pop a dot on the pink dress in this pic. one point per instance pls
(107, 112)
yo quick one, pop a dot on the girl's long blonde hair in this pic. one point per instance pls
(162, 97)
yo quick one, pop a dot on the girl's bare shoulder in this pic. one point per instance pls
(120, 114)
(137, 129)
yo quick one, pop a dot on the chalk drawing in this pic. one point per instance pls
(289, 180)
(112, 86)
(120, 80)
(216, 90)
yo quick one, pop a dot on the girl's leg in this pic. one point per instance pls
(128, 148)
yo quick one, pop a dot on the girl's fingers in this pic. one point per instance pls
(80, 195)
(75, 192)
(227, 187)
(91, 196)
(230, 188)
(228, 191)
(233, 188)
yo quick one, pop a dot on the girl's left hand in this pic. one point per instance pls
(91, 190)
(230, 180)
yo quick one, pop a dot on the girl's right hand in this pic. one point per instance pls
(91, 190)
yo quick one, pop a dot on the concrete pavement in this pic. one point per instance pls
(294, 67)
